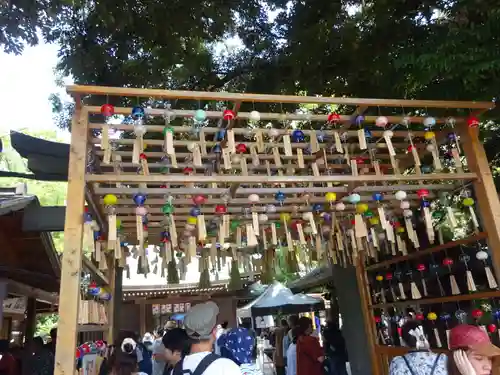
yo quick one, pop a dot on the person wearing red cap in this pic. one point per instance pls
(472, 351)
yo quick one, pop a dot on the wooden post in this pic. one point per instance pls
(111, 303)
(30, 325)
(364, 294)
(142, 317)
(72, 256)
(486, 194)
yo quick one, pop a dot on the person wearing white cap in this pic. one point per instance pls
(200, 325)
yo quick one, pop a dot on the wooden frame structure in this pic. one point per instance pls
(272, 158)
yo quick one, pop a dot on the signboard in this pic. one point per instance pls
(15, 305)
(156, 310)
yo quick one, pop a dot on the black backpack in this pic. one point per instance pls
(199, 370)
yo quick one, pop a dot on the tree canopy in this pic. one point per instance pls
(432, 49)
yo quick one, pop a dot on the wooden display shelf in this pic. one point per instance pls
(430, 301)
(431, 250)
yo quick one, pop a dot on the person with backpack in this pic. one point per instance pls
(176, 346)
(200, 325)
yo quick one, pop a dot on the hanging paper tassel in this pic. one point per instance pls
(231, 144)
(492, 283)
(197, 162)
(360, 226)
(238, 236)
(98, 252)
(454, 286)
(192, 246)
(255, 223)
(402, 294)
(235, 282)
(227, 225)
(415, 293)
(287, 145)
(168, 145)
(438, 339)
(222, 235)
(136, 151)
(338, 142)
(277, 157)
(255, 156)
(302, 238)
(387, 137)
(471, 285)
(456, 158)
(202, 230)
(173, 232)
(362, 139)
(259, 140)
(448, 338)
(118, 250)
(274, 237)
(140, 229)
(226, 158)
(300, 159)
(451, 217)
(382, 218)
(105, 145)
(251, 238)
(424, 287)
(313, 140)
(312, 223)
(213, 254)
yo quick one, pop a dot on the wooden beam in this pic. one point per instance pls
(18, 288)
(485, 191)
(431, 250)
(111, 303)
(493, 294)
(264, 179)
(364, 294)
(142, 317)
(268, 98)
(94, 271)
(73, 235)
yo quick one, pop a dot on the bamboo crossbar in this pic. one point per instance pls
(270, 116)
(267, 98)
(213, 130)
(264, 179)
(100, 191)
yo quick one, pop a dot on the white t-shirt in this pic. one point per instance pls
(291, 360)
(158, 359)
(221, 366)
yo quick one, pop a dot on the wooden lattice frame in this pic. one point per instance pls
(340, 179)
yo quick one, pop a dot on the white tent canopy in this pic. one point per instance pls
(278, 297)
(276, 292)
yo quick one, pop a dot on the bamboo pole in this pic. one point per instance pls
(264, 179)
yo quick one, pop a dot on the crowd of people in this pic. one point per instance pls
(202, 347)
(37, 358)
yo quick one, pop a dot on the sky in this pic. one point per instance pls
(26, 83)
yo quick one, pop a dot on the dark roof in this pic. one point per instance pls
(317, 277)
(48, 161)
(27, 257)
